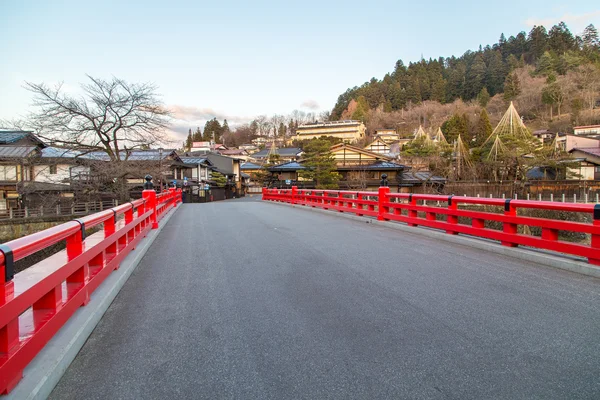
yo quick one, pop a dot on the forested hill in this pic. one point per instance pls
(476, 74)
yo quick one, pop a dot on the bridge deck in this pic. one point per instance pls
(244, 299)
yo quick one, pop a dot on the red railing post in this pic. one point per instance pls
(359, 206)
(9, 334)
(595, 242)
(173, 195)
(412, 213)
(294, 194)
(452, 219)
(150, 196)
(382, 200)
(509, 227)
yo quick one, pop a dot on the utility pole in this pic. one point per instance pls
(160, 152)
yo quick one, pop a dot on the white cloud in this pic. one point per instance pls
(576, 23)
(191, 114)
(310, 104)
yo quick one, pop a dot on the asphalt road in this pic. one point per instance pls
(252, 300)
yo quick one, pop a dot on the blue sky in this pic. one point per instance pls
(236, 60)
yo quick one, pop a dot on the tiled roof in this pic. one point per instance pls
(195, 160)
(7, 137)
(233, 152)
(249, 165)
(16, 151)
(57, 152)
(421, 176)
(285, 152)
(384, 165)
(289, 166)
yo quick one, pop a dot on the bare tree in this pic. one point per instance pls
(111, 116)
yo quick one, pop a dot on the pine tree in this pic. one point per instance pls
(483, 97)
(560, 39)
(483, 129)
(225, 128)
(537, 42)
(219, 179)
(321, 166)
(545, 64)
(456, 125)
(475, 77)
(188, 142)
(512, 87)
(197, 136)
(590, 37)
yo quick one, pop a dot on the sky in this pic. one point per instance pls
(237, 60)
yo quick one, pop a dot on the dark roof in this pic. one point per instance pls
(418, 177)
(196, 160)
(16, 151)
(594, 151)
(12, 136)
(134, 155)
(46, 187)
(7, 137)
(284, 152)
(539, 173)
(249, 165)
(288, 166)
(384, 165)
(57, 152)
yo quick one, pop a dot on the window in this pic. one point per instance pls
(8, 173)
(53, 169)
(597, 169)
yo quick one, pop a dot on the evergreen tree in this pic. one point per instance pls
(225, 128)
(590, 37)
(537, 42)
(454, 126)
(475, 77)
(560, 39)
(197, 136)
(360, 114)
(545, 64)
(282, 130)
(321, 166)
(483, 129)
(219, 179)
(212, 130)
(483, 97)
(495, 73)
(512, 87)
(188, 142)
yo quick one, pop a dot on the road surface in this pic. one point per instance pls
(244, 299)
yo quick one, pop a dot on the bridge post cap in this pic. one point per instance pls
(148, 185)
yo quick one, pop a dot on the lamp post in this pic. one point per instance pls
(160, 153)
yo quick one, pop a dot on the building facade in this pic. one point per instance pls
(348, 131)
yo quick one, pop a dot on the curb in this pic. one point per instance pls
(537, 256)
(47, 368)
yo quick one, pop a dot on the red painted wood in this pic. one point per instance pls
(39, 300)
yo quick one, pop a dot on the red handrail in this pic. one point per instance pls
(443, 213)
(35, 303)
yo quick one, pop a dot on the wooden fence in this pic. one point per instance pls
(58, 210)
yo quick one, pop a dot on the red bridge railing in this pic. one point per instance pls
(443, 213)
(36, 303)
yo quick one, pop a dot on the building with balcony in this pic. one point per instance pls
(349, 131)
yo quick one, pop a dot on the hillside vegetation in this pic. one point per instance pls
(553, 78)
